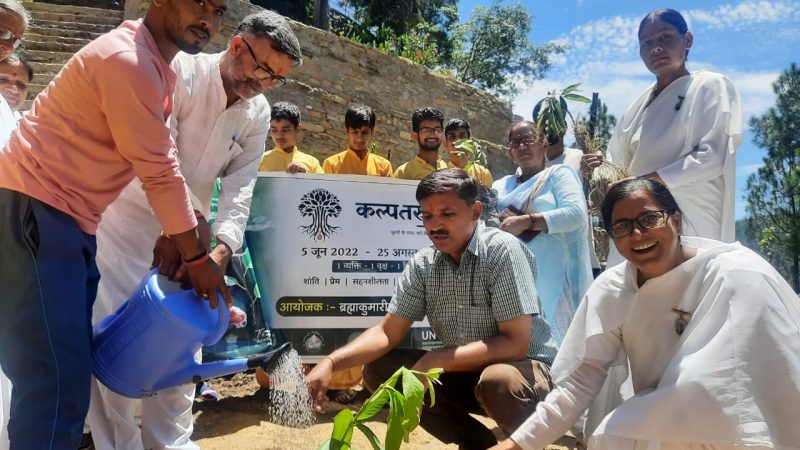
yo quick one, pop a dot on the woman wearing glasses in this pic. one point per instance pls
(710, 331)
(682, 131)
(545, 208)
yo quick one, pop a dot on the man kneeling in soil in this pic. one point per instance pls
(475, 285)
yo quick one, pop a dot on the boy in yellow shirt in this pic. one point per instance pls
(427, 131)
(455, 130)
(359, 127)
(284, 128)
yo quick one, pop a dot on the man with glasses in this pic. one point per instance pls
(427, 126)
(220, 124)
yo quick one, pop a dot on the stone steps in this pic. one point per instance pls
(90, 14)
(64, 33)
(106, 4)
(59, 28)
(76, 26)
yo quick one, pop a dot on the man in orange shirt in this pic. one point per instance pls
(359, 127)
(100, 123)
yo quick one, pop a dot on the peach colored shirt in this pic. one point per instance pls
(100, 122)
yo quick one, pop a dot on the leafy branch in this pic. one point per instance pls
(471, 150)
(404, 411)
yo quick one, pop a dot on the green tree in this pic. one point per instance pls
(492, 49)
(404, 16)
(773, 192)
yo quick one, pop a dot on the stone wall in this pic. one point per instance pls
(337, 72)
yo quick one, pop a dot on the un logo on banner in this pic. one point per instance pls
(321, 206)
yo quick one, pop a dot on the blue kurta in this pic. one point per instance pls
(563, 264)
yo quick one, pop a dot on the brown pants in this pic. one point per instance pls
(506, 392)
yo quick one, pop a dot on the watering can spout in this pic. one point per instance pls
(266, 361)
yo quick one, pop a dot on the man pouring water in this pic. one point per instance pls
(475, 286)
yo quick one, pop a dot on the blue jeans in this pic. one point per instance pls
(48, 282)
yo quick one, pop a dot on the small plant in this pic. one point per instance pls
(553, 110)
(404, 411)
(467, 148)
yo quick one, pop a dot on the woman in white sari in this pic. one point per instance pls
(13, 23)
(550, 204)
(682, 131)
(710, 331)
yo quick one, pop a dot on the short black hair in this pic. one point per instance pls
(427, 113)
(358, 116)
(454, 124)
(285, 110)
(449, 180)
(626, 188)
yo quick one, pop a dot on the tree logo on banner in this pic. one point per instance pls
(321, 206)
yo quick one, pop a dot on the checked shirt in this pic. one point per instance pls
(465, 303)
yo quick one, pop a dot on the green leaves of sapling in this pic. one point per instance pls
(404, 411)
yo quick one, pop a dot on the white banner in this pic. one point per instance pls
(327, 251)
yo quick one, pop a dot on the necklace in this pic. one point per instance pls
(682, 320)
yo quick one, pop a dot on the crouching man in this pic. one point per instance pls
(475, 285)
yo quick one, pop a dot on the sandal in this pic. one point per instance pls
(343, 396)
(205, 391)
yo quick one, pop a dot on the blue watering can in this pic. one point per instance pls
(149, 343)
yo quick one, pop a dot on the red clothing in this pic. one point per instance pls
(100, 122)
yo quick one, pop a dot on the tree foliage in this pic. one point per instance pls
(493, 48)
(773, 192)
(404, 16)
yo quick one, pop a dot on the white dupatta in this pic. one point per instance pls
(733, 379)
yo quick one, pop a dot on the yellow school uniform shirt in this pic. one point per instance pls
(348, 163)
(277, 160)
(417, 169)
(477, 171)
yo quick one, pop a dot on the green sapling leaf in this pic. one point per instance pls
(373, 404)
(342, 428)
(394, 429)
(373, 440)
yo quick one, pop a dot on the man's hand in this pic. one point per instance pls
(296, 168)
(207, 279)
(166, 257)
(516, 225)
(507, 444)
(590, 162)
(318, 381)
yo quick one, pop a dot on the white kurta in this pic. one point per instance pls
(688, 134)
(732, 380)
(7, 124)
(213, 141)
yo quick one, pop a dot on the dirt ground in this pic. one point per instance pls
(239, 420)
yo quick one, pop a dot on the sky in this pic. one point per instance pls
(750, 41)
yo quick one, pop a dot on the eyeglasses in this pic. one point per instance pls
(6, 35)
(264, 73)
(431, 131)
(648, 220)
(528, 140)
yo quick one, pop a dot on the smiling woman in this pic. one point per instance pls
(709, 331)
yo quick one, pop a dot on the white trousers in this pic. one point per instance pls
(5, 409)
(166, 419)
(125, 241)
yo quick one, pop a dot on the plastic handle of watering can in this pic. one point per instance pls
(223, 319)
